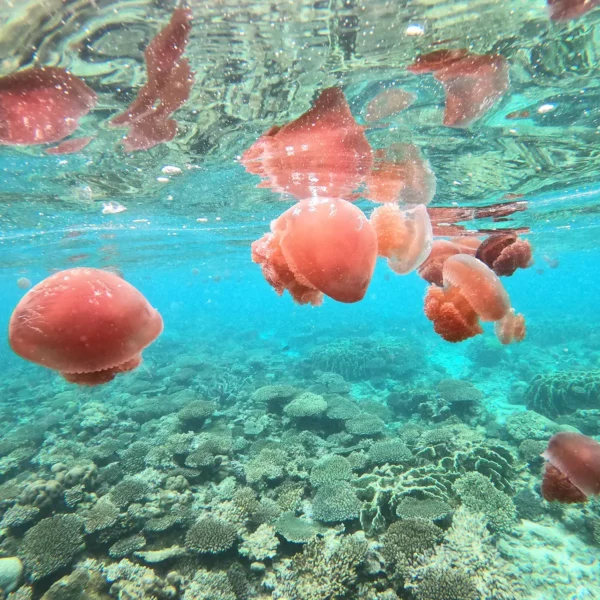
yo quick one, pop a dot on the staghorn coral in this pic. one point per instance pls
(321, 570)
(336, 502)
(478, 494)
(210, 536)
(330, 468)
(51, 545)
(557, 394)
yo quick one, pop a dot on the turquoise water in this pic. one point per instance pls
(266, 449)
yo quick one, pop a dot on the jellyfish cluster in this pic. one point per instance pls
(324, 245)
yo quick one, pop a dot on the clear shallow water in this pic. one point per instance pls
(184, 242)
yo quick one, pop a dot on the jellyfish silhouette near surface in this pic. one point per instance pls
(401, 174)
(42, 106)
(404, 237)
(319, 246)
(323, 153)
(87, 324)
(471, 292)
(168, 87)
(504, 253)
(565, 10)
(473, 83)
(572, 472)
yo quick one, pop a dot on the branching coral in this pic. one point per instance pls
(478, 494)
(51, 545)
(210, 536)
(336, 502)
(468, 549)
(321, 570)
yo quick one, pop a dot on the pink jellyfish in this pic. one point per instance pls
(504, 253)
(572, 471)
(323, 153)
(319, 246)
(42, 106)
(404, 237)
(85, 323)
(169, 84)
(471, 292)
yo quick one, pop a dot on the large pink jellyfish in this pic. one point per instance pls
(401, 174)
(471, 292)
(170, 81)
(85, 323)
(42, 106)
(504, 253)
(473, 82)
(404, 237)
(323, 153)
(319, 246)
(572, 471)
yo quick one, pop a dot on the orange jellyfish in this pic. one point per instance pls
(565, 10)
(510, 328)
(42, 106)
(170, 81)
(388, 103)
(431, 269)
(473, 83)
(572, 472)
(504, 253)
(401, 174)
(471, 292)
(87, 324)
(319, 246)
(404, 237)
(323, 153)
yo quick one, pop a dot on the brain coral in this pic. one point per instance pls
(51, 545)
(330, 468)
(336, 502)
(365, 424)
(306, 405)
(210, 536)
(389, 451)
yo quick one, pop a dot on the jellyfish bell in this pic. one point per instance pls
(319, 246)
(504, 253)
(388, 103)
(565, 10)
(472, 86)
(42, 106)
(431, 269)
(23, 283)
(404, 237)
(87, 324)
(471, 292)
(510, 328)
(323, 153)
(401, 174)
(572, 471)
